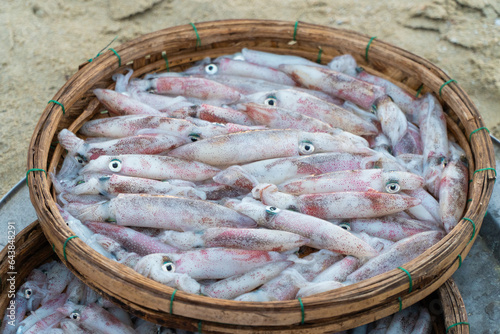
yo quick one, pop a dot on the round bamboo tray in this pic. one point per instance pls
(446, 305)
(327, 312)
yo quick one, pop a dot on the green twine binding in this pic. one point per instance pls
(302, 311)
(99, 53)
(419, 90)
(54, 248)
(478, 129)
(458, 323)
(459, 261)
(446, 83)
(473, 229)
(116, 54)
(199, 327)
(64, 246)
(164, 55)
(172, 301)
(400, 303)
(198, 40)
(483, 169)
(295, 31)
(368, 47)
(318, 60)
(469, 200)
(409, 277)
(34, 170)
(59, 103)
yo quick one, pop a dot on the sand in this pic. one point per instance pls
(42, 42)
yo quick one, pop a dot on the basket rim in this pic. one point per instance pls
(397, 281)
(31, 240)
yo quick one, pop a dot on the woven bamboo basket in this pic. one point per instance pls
(176, 49)
(445, 305)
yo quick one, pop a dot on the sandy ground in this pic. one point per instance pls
(42, 42)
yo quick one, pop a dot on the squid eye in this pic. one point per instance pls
(374, 109)
(194, 137)
(75, 316)
(306, 147)
(443, 161)
(80, 182)
(271, 101)
(28, 293)
(272, 210)
(392, 187)
(211, 69)
(168, 266)
(79, 159)
(345, 226)
(115, 165)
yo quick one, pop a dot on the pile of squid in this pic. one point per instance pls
(53, 301)
(262, 177)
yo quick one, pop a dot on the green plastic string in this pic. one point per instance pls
(419, 90)
(409, 277)
(400, 303)
(99, 53)
(368, 47)
(458, 323)
(64, 246)
(172, 301)
(483, 169)
(318, 60)
(34, 170)
(199, 327)
(459, 261)
(54, 248)
(446, 83)
(119, 58)
(469, 200)
(198, 40)
(478, 129)
(473, 229)
(302, 311)
(295, 30)
(59, 103)
(164, 55)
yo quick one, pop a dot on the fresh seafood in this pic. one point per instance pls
(253, 239)
(250, 146)
(133, 240)
(139, 144)
(176, 186)
(226, 66)
(345, 204)
(112, 185)
(353, 180)
(235, 286)
(273, 60)
(170, 212)
(432, 124)
(401, 252)
(336, 83)
(199, 88)
(210, 263)
(322, 234)
(125, 126)
(151, 167)
(278, 170)
(312, 106)
(453, 188)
